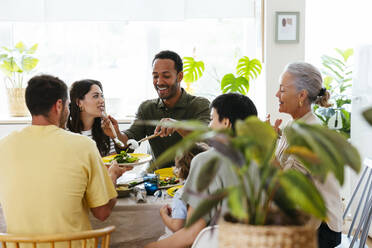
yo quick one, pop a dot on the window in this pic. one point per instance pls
(119, 53)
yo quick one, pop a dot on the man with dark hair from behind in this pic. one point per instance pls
(49, 177)
(173, 104)
(226, 109)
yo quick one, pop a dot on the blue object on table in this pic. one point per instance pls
(151, 184)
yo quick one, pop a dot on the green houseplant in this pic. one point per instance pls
(247, 70)
(266, 195)
(16, 63)
(337, 73)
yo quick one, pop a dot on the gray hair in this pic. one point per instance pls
(307, 77)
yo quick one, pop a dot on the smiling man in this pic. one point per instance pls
(173, 104)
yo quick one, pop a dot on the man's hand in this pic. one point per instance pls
(105, 124)
(165, 131)
(115, 171)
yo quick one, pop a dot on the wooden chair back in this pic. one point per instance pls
(99, 237)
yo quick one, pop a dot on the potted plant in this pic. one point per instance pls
(268, 207)
(247, 70)
(16, 63)
(337, 73)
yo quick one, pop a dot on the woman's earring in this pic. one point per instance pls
(81, 108)
(300, 103)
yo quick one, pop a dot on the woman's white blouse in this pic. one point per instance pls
(330, 189)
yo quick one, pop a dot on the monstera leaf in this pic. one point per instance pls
(249, 69)
(230, 83)
(193, 70)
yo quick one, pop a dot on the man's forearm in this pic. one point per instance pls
(103, 212)
(122, 137)
(183, 132)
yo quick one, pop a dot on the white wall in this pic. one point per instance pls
(277, 56)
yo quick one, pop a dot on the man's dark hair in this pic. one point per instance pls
(233, 106)
(43, 92)
(178, 64)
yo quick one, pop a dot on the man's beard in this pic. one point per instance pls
(172, 91)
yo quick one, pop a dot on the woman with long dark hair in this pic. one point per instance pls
(87, 110)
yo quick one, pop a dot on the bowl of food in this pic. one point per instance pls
(123, 190)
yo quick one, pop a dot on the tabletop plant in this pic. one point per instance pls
(266, 194)
(337, 72)
(16, 62)
(247, 70)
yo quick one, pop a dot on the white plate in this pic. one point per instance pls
(142, 158)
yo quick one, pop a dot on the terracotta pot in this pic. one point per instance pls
(240, 235)
(16, 102)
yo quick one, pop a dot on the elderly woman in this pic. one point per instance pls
(87, 108)
(301, 86)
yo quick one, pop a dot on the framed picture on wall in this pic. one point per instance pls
(287, 25)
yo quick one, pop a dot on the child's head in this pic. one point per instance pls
(227, 108)
(183, 162)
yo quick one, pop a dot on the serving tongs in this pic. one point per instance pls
(115, 139)
(133, 144)
(137, 183)
(149, 137)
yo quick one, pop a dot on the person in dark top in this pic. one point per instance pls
(173, 104)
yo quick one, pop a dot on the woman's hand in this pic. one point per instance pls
(106, 126)
(276, 126)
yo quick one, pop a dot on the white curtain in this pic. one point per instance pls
(122, 10)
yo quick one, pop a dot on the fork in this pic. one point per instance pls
(115, 139)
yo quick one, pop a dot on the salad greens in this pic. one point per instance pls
(124, 157)
(168, 180)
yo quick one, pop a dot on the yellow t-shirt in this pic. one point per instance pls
(49, 178)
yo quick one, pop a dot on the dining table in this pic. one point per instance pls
(137, 224)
